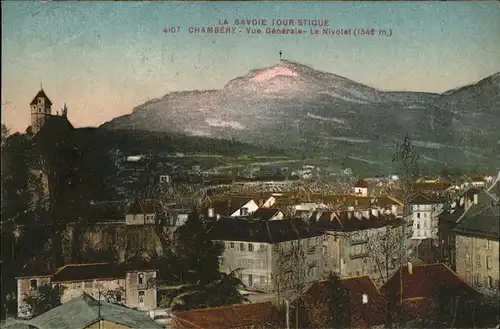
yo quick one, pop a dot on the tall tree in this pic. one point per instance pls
(406, 159)
(5, 133)
(198, 257)
(384, 250)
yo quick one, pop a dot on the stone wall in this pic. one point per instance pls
(111, 241)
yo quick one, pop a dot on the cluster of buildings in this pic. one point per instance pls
(284, 245)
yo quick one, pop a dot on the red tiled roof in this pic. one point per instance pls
(144, 207)
(426, 281)
(361, 315)
(361, 183)
(227, 317)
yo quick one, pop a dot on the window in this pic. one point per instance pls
(418, 226)
(490, 282)
(141, 297)
(488, 262)
(221, 261)
(140, 278)
(39, 101)
(263, 247)
(262, 279)
(418, 215)
(477, 278)
(488, 244)
(325, 250)
(365, 299)
(244, 211)
(34, 284)
(250, 280)
(118, 298)
(232, 245)
(242, 247)
(250, 247)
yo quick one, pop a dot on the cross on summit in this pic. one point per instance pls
(281, 54)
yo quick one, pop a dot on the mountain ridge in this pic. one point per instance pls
(292, 105)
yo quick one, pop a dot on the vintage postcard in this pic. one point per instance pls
(250, 164)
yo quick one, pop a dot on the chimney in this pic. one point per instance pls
(318, 215)
(366, 214)
(210, 212)
(410, 268)
(358, 214)
(475, 198)
(349, 215)
(375, 212)
(218, 217)
(365, 299)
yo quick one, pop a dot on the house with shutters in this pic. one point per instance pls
(132, 285)
(264, 250)
(424, 212)
(348, 236)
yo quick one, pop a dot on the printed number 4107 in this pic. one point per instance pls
(171, 29)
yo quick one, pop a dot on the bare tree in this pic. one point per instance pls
(406, 160)
(290, 271)
(384, 250)
(182, 195)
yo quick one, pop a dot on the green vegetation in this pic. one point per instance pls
(191, 274)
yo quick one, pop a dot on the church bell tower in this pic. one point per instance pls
(41, 109)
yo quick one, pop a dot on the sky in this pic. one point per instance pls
(105, 58)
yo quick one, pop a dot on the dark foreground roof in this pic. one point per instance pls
(83, 311)
(254, 230)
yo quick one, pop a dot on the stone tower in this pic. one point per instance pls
(41, 109)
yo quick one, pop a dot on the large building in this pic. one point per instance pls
(469, 237)
(272, 256)
(477, 244)
(361, 242)
(129, 284)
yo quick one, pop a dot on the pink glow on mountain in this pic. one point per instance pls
(273, 72)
